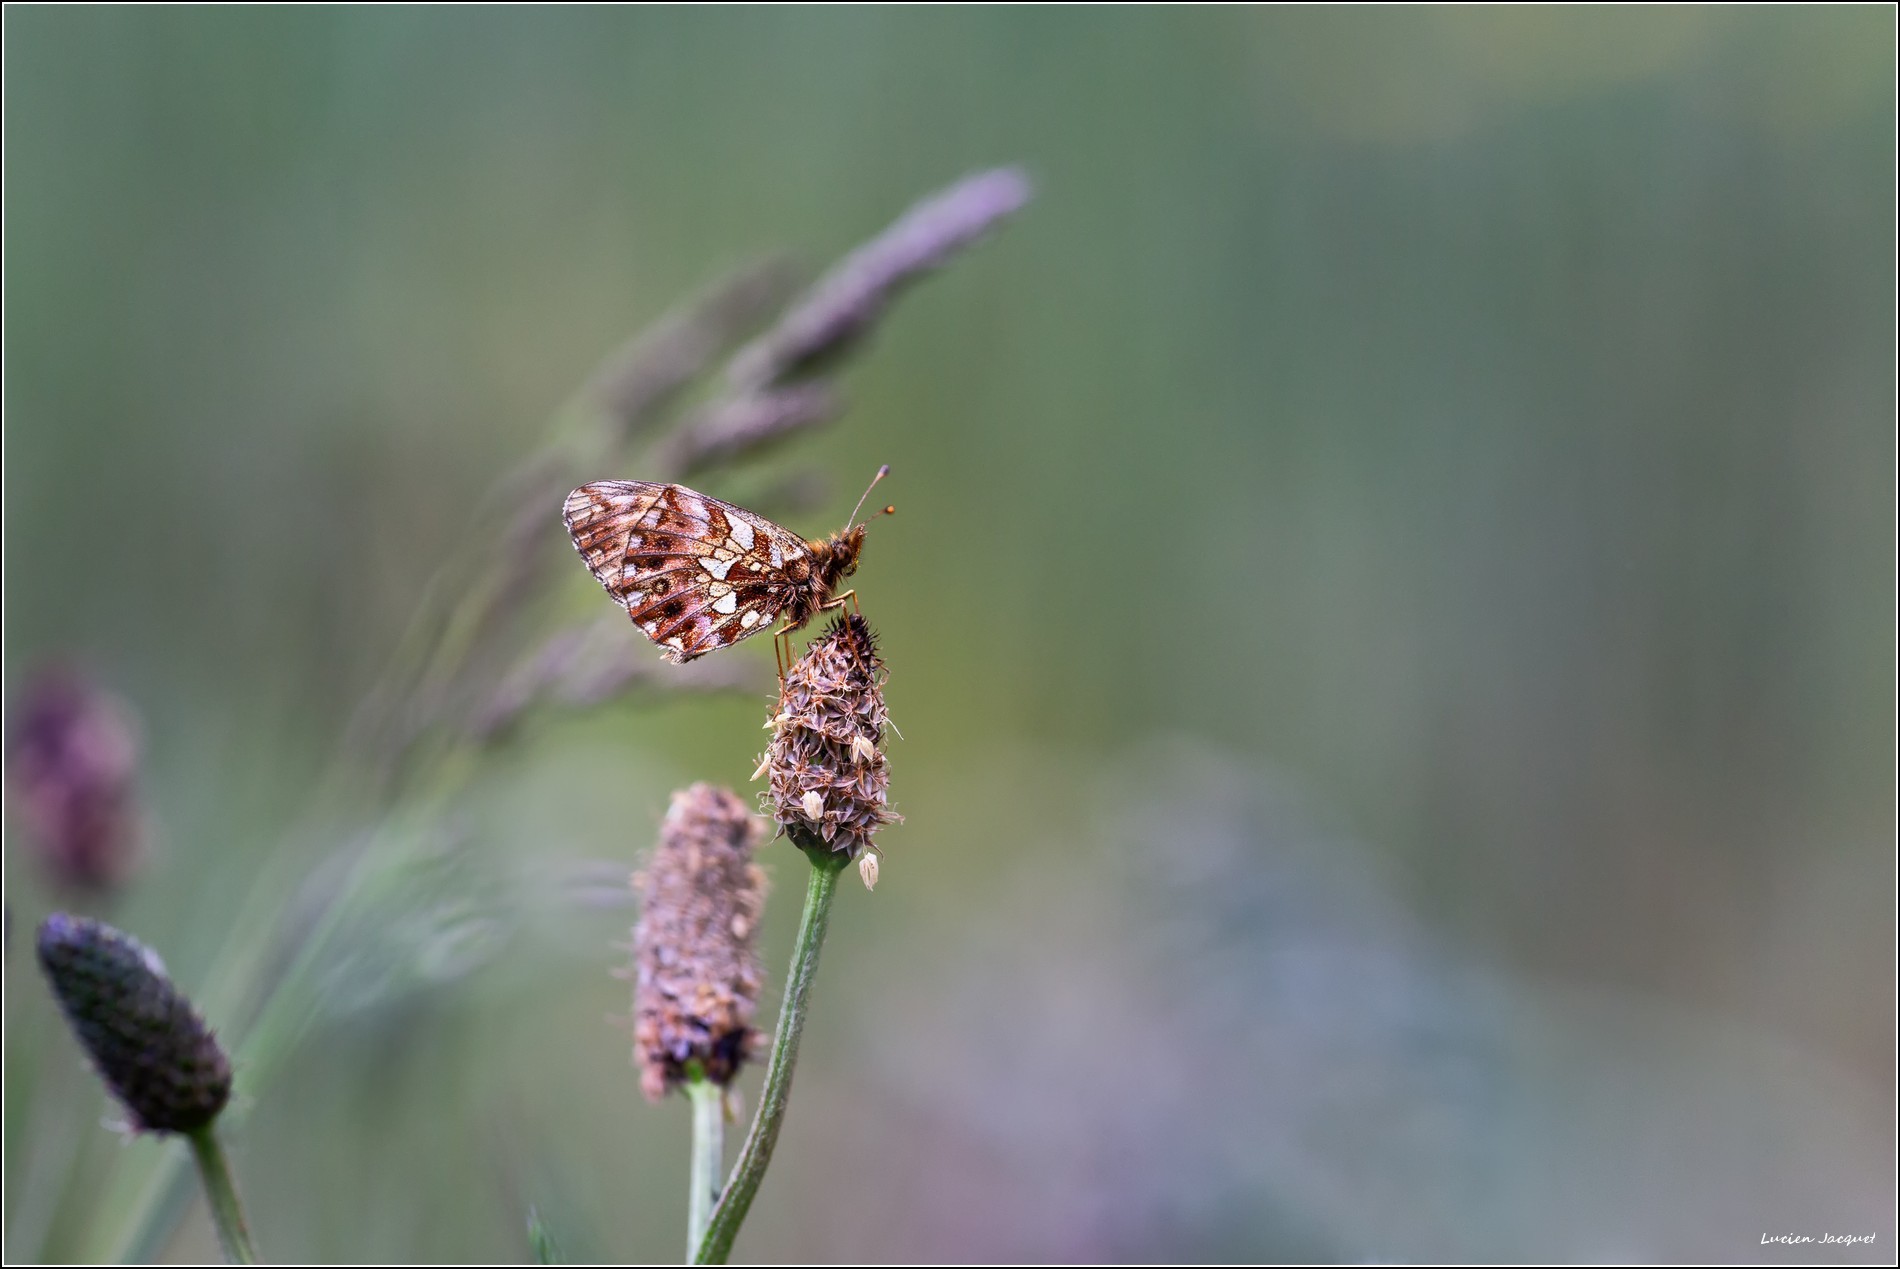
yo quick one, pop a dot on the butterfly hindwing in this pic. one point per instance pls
(599, 518)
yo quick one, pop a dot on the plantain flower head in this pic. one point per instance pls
(696, 974)
(830, 782)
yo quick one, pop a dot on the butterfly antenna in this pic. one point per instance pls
(882, 472)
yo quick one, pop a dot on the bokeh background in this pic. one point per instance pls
(1391, 613)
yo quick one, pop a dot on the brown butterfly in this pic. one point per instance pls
(696, 574)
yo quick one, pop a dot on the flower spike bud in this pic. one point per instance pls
(146, 1041)
(72, 759)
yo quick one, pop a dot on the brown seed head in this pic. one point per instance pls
(696, 975)
(830, 781)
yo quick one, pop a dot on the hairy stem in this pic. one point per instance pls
(709, 1122)
(757, 1151)
(226, 1213)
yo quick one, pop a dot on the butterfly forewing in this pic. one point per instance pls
(695, 574)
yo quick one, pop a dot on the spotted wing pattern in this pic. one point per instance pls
(695, 574)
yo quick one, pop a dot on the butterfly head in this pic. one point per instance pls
(838, 554)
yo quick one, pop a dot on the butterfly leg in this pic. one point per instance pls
(782, 649)
(837, 601)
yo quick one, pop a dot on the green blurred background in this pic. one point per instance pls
(1391, 612)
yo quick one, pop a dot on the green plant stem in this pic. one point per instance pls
(226, 1213)
(733, 1204)
(709, 1158)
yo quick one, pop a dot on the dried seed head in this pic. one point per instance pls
(696, 975)
(830, 781)
(143, 1036)
(71, 757)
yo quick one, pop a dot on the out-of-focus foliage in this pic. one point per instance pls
(1390, 609)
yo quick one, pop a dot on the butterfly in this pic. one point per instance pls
(696, 574)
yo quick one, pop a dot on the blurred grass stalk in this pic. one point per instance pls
(476, 659)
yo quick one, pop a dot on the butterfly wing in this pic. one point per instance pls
(695, 574)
